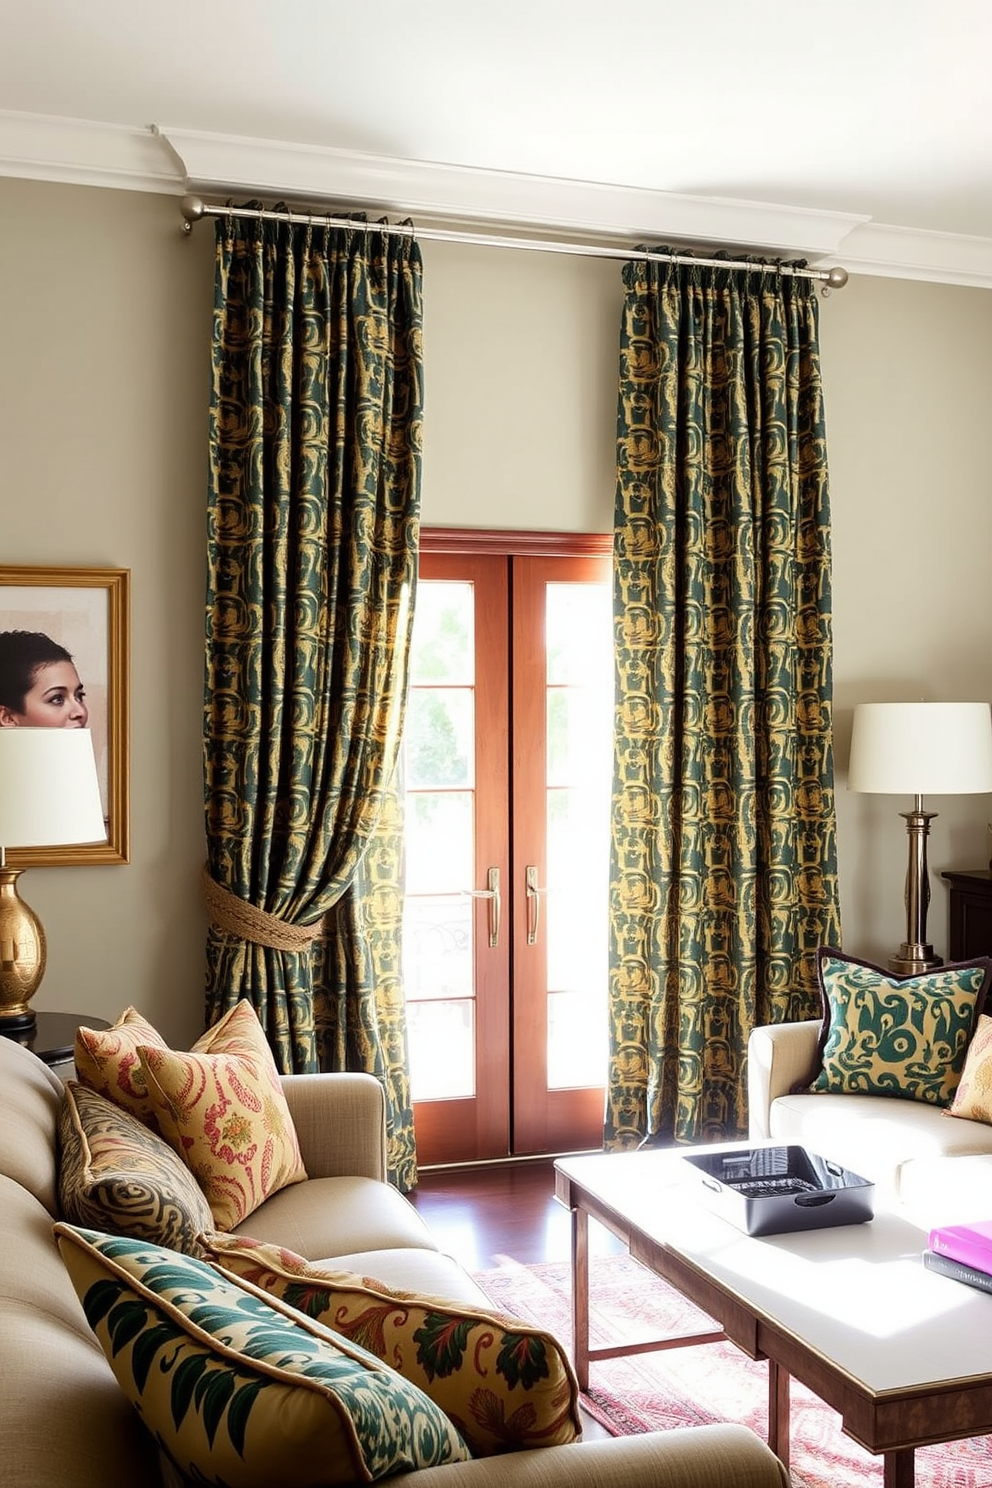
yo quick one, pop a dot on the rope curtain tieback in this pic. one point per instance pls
(234, 916)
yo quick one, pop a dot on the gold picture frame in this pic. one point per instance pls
(86, 610)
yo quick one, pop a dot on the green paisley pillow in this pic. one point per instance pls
(504, 1383)
(240, 1390)
(116, 1174)
(895, 1035)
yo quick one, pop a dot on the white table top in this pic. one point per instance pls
(857, 1295)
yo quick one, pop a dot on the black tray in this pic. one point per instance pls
(772, 1190)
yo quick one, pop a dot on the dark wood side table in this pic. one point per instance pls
(969, 914)
(53, 1037)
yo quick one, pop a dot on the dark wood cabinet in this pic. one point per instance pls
(970, 914)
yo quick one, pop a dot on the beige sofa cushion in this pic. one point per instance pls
(409, 1270)
(30, 1096)
(875, 1136)
(328, 1216)
(55, 1386)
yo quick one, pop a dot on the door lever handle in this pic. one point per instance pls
(534, 892)
(495, 904)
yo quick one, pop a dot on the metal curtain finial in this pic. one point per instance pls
(193, 209)
(834, 278)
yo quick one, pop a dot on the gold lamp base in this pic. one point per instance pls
(23, 953)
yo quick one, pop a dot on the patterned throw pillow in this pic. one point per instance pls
(107, 1062)
(973, 1097)
(117, 1175)
(240, 1390)
(892, 1035)
(222, 1107)
(505, 1384)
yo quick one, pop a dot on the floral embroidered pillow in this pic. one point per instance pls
(107, 1062)
(505, 1384)
(973, 1097)
(107, 1058)
(222, 1108)
(239, 1389)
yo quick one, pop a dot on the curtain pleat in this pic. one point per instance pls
(723, 868)
(315, 456)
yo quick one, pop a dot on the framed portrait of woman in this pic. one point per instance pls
(64, 663)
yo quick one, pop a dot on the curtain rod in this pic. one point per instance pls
(194, 209)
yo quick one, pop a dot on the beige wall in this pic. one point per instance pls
(104, 347)
(907, 371)
(104, 379)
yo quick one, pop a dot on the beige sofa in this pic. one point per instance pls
(63, 1419)
(937, 1167)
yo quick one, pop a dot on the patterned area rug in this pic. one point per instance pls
(710, 1382)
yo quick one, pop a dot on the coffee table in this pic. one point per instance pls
(904, 1355)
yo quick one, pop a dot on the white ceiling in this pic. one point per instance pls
(858, 131)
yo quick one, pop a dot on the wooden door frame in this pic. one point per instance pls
(515, 543)
(463, 1130)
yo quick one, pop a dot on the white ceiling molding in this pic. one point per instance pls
(225, 163)
(173, 161)
(913, 253)
(41, 147)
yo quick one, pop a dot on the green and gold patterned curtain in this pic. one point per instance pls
(723, 874)
(315, 464)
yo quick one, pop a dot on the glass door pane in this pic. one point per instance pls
(439, 768)
(579, 703)
(562, 779)
(455, 960)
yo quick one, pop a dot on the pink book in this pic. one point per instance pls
(968, 1243)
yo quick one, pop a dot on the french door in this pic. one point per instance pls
(507, 775)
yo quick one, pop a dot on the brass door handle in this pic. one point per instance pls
(534, 892)
(495, 904)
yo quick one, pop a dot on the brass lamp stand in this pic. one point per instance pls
(916, 955)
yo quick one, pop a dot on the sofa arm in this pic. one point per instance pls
(693, 1457)
(340, 1121)
(778, 1056)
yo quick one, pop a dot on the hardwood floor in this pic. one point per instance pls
(479, 1214)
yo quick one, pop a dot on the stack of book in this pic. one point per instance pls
(963, 1252)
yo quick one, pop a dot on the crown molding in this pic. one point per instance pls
(173, 161)
(426, 190)
(914, 253)
(79, 152)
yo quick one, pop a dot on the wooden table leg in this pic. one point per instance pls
(580, 1296)
(900, 1468)
(778, 1412)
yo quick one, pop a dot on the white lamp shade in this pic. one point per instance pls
(49, 791)
(917, 749)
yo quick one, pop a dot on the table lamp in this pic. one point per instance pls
(917, 749)
(49, 796)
